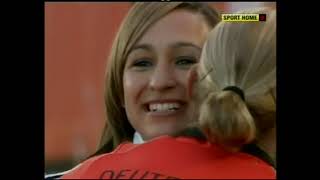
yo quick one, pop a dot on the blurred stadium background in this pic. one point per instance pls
(78, 37)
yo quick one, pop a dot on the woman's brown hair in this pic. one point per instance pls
(141, 16)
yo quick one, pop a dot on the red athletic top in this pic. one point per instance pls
(167, 157)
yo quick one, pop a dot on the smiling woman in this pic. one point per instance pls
(155, 73)
(155, 46)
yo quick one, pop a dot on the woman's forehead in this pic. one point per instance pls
(179, 26)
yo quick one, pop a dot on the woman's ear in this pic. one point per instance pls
(192, 78)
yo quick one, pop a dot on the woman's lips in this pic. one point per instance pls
(164, 107)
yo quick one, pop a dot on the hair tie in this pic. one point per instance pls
(236, 90)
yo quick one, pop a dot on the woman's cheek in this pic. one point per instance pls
(134, 84)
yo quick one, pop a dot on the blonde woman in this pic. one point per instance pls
(237, 86)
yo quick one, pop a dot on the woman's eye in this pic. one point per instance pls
(184, 61)
(142, 63)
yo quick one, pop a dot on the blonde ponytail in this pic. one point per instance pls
(226, 120)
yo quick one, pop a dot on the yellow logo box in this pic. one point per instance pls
(243, 17)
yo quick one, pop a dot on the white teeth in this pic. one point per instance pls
(164, 107)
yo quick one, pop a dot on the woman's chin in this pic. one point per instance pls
(162, 131)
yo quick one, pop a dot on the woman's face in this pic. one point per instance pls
(155, 74)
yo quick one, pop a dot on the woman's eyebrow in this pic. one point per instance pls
(147, 47)
(185, 44)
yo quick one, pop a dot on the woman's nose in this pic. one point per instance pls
(163, 78)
